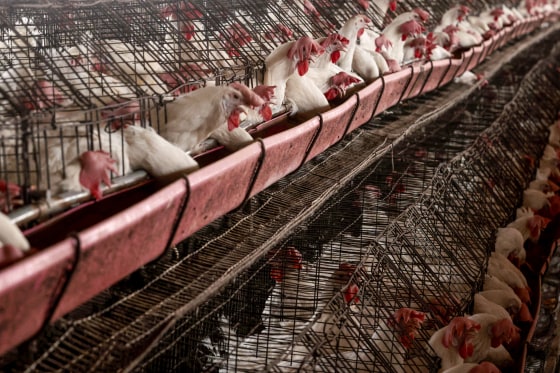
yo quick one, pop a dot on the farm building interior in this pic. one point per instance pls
(279, 185)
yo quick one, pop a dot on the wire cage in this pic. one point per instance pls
(268, 287)
(71, 71)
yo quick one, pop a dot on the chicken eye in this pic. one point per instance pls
(236, 96)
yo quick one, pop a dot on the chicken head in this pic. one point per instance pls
(266, 92)
(344, 277)
(232, 101)
(460, 334)
(407, 321)
(333, 44)
(303, 51)
(96, 168)
(287, 258)
(410, 28)
(382, 42)
(503, 331)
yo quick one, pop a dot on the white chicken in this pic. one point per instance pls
(333, 45)
(482, 304)
(140, 64)
(509, 243)
(362, 60)
(191, 118)
(454, 343)
(529, 224)
(535, 199)
(86, 86)
(351, 30)
(10, 234)
(395, 34)
(285, 60)
(488, 342)
(307, 98)
(19, 43)
(13, 244)
(149, 151)
(394, 338)
(82, 163)
(500, 267)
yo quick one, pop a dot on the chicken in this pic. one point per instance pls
(285, 60)
(351, 30)
(86, 86)
(510, 302)
(19, 43)
(529, 224)
(554, 135)
(502, 302)
(366, 64)
(494, 331)
(17, 88)
(545, 186)
(308, 100)
(10, 234)
(404, 25)
(500, 267)
(415, 48)
(239, 137)
(454, 31)
(372, 44)
(395, 337)
(550, 155)
(333, 45)
(13, 244)
(454, 343)
(140, 64)
(452, 16)
(467, 78)
(77, 157)
(332, 81)
(535, 199)
(363, 58)
(484, 367)
(509, 243)
(94, 168)
(149, 151)
(494, 283)
(295, 293)
(191, 118)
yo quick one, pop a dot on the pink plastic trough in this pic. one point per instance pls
(394, 86)
(285, 153)
(334, 125)
(218, 188)
(421, 73)
(368, 98)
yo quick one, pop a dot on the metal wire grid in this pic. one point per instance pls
(241, 325)
(110, 57)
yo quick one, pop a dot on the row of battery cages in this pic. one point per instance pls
(413, 230)
(70, 71)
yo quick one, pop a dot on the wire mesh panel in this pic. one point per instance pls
(93, 65)
(408, 234)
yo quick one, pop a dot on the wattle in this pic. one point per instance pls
(233, 120)
(335, 56)
(303, 67)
